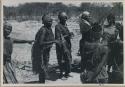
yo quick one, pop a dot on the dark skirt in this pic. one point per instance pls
(40, 58)
(36, 56)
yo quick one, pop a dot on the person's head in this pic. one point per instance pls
(85, 15)
(111, 19)
(47, 20)
(7, 29)
(62, 17)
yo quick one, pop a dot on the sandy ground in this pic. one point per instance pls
(22, 52)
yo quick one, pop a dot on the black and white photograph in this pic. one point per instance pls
(62, 42)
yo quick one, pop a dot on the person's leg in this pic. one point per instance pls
(83, 56)
(67, 67)
(59, 59)
(84, 59)
(104, 50)
(83, 62)
(118, 57)
(42, 76)
(80, 46)
(111, 56)
(46, 56)
(67, 64)
(110, 61)
(46, 61)
(60, 66)
(79, 50)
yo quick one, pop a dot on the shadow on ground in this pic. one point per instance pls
(53, 75)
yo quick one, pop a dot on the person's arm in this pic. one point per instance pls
(48, 43)
(22, 41)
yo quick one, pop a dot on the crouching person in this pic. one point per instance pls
(95, 54)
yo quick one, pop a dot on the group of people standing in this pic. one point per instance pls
(95, 47)
(43, 43)
(101, 45)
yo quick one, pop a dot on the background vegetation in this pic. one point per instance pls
(36, 10)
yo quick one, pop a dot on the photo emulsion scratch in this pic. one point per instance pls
(62, 42)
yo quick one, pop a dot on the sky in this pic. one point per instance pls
(66, 2)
